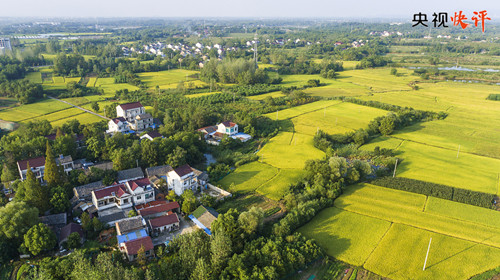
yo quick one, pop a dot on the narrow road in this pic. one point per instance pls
(78, 107)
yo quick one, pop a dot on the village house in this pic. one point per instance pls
(37, 165)
(203, 217)
(130, 110)
(141, 122)
(151, 135)
(130, 225)
(69, 229)
(117, 125)
(131, 248)
(182, 178)
(124, 195)
(165, 223)
(213, 134)
(157, 208)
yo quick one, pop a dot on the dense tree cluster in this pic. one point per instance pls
(238, 71)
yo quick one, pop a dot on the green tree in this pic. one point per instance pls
(16, 218)
(251, 220)
(74, 240)
(39, 238)
(7, 174)
(141, 256)
(95, 106)
(394, 71)
(227, 224)
(60, 202)
(171, 196)
(132, 213)
(97, 225)
(86, 221)
(34, 193)
(387, 125)
(149, 153)
(189, 203)
(51, 173)
(202, 270)
(177, 157)
(221, 249)
(360, 137)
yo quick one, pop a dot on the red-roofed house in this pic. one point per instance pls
(37, 165)
(227, 127)
(130, 110)
(164, 223)
(181, 179)
(125, 195)
(117, 125)
(131, 248)
(157, 208)
(112, 196)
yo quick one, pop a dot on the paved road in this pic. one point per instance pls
(78, 107)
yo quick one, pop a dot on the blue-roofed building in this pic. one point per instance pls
(131, 236)
(203, 218)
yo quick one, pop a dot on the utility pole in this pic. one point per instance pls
(395, 167)
(458, 150)
(427, 255)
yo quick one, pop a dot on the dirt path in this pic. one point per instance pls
(78, 107)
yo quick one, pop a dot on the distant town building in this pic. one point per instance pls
(5, 45)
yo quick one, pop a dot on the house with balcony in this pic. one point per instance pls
(124, 195)
(119, 124)
(182, 178)
(129, 111)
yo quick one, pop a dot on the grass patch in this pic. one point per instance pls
(169, 78)
(279, 185)
(248, 177)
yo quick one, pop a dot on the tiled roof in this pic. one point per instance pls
(129, 174)
(228, 124)
(86, 190)
(64, 159)
(119, 119)
(205, 215)
(116, 190)
(149, 209)
(183, 170)
(69, 229)
(128, 106)
(133, 246)
(144, 116)
(34, 163)
(208, 129)
(158, 170)
(154, 134)
(130, 224)
(164, 220)
(139, 183)
(56, 219)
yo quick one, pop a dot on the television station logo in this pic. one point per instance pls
(441, 19)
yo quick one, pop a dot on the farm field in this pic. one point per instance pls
(439, 165)
(278, 185)
(398, 226)
(169, 78)
(263, 96)
(248, 177)
(472, 120)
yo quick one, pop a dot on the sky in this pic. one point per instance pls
(243, 8)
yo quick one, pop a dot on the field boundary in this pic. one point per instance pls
(433, 231)
(378, 243)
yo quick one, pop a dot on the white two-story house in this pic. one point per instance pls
(125, 195)
(227, 127)
(130, 110)
(119, 124)
(181, 179)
